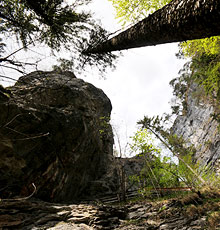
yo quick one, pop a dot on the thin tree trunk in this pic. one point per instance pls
(123, 186)
(180, 20)
(179, 158)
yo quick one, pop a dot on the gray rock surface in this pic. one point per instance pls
(199, 128)
(131, 167)
(55, 133)
(38, 215)
(160, 215)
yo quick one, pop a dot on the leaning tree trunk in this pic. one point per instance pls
(180, 20)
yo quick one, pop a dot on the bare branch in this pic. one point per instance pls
(10, 67)
(10, 78)
(12, 120)
(16, 51)
(34, 137)
(22, 198)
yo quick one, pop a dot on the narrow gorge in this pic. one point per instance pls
(57, 145)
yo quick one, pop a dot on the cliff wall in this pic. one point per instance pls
(198, 127)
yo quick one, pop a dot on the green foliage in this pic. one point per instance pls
(105, 127)
(209, 46)
(128, 11)
(142, 143)
(158, 171)
(186, 176)
(206, 68)
(203, 70)
(206, 172)
(188, 171)
(159, 127)
(205, 63)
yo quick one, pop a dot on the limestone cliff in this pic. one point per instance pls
(198, 127)
(55, 134)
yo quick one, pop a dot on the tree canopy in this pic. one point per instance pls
(56, 24)
(132, 11)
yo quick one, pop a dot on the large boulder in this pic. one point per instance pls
(55, 133)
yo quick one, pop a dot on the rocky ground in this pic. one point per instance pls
(188, 213)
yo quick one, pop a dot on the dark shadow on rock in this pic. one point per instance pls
(55, 133)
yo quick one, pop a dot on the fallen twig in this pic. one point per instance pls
(22, 198)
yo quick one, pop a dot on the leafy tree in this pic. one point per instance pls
(161, 171)
(178, 147)
(205, 63)
(131, 11)
(209, 46)
(56, 24)
(206, 72)
(158, 171)
(202, 71)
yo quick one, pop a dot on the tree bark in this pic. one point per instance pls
(180, 20)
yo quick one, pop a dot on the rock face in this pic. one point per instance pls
(55, 133)
(131, 167)
(199, 128)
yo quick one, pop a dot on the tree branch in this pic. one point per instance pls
(2, 76)
(22, 198)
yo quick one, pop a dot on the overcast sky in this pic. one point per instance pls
(140, 84)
